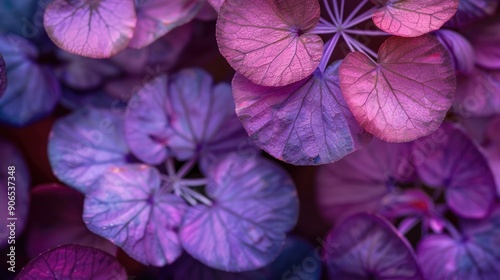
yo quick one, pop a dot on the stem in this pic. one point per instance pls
(362, 48)
(336, 9)
(170, 166)
(367, 32)
(355, 11)
(195, 195)
(194, 182)
(342, 5)
(330, 46)
(348, 42)
(363, 17)
(322, 28)
(184, 170)
(329, 11)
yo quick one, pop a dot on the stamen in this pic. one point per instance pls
(195, 195)
(367, 32)
(336, 9)
(360, 47)
(355, 11)
(363, 17)
(170, 166)
(194, 182)
(330, 13)
(322, 28)
(330, 46)
(184, 170)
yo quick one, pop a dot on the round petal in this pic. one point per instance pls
(453, 162)
(91, 28)
(254, 205)
(129, 208)
(406, 94)
(84, 145)
(460, 49)
(73, 262)
(305, 123)
(366, 246)
(33, 89)
(268, 41)
(412, 18)
(14, 185)
(156, 18)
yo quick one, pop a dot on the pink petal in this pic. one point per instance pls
(412, 18)
(268, 41)
(92, 28)
(406, 94)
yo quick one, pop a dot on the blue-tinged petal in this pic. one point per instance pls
(75, 100)
(305, 123)
(470, 11)
(448, 159)
(366, 246)
(14, 185)
(475, 256)
(360, 181)
(73, 262)
(84, 145)
(129, 208)
(184, 115)
(460, 49)
(33, 89)
(3, 76)
(254, 205)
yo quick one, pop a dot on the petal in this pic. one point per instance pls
(129, 208)
(406, 94)
(254, 205)
(460, 49)
(96, 28)
(486, 41)
(470, 11)
(73, 262)
(84, 145)
(477, 94)
(305, 123)
(3, 75)
(366, 246)
(268, 41)
(412, 18)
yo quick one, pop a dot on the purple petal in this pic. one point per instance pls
(207, 12)
(406, 203)
(477, 94)
(305, 123)
(486, 41)
(406, 94)
(84, 145)
(3, 76)
(56, 219)
(16, 190)
(33, 89)
(366, 246)
(449, 159)
(216, 4)
(360, 181)
(470, 11)
(185, 116)
(412, 18)
(460, 50)
(156, 18)
(73, 262)
(254, 205)
(129, 208)
(268, 41)
(96, 28)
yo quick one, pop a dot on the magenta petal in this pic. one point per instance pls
(156, 18)
(129, 208)
(486, 41)
(96, 29)
(3, 76)
(305, 123)
(366, 246)
(359, 181)
(56, 219)
(460, 50)
(16, 188)
(453, 162)
(412, 18)
(268, 41)
(478, 93)
(254, 205)
(73, 262)
(406, 94)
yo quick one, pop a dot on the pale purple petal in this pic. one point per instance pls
(15, 189)
(366, 246)
(91, 28)
(305, 123)
(412, 18)
(156, 18)
(268, 41)
(453, 162)
(460, 49)
(406, 94)
(73, 262)
(56, 219)
(254, 205)
(129, 208)
(85, 144)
